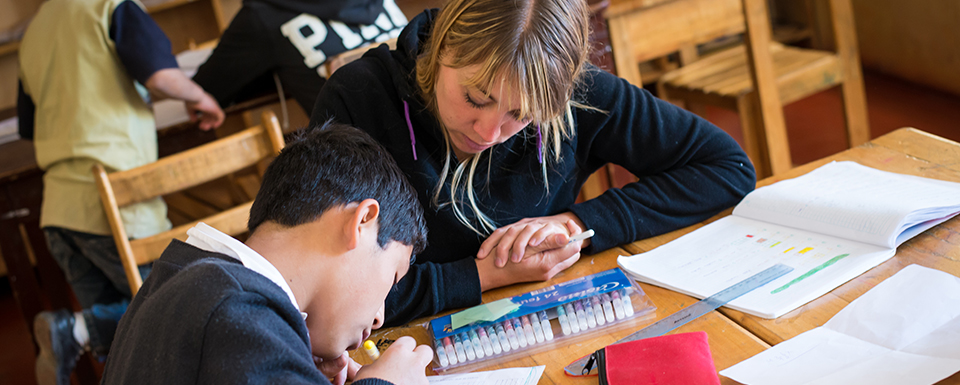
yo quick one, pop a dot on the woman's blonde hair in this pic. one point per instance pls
(540, 47)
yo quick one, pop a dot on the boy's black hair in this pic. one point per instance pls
(334, 165)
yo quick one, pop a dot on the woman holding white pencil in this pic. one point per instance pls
(493, 112)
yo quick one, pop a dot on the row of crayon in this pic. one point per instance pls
(519, 332)
(598, 310)
(493, 339)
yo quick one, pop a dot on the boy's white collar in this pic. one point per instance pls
(207, 238)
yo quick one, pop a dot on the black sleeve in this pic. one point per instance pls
(247, 334)
(242, 55)
(354, 11)
(688, 168)
(257, 346)
(429, 288)
(25, 113)
(142, 46)
(247, 342)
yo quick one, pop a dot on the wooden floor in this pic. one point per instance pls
(815, 128)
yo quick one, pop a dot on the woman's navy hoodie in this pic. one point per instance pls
(688, 168)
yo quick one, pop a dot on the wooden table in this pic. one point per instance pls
(735, 336)
(729, 343)
(905, 151)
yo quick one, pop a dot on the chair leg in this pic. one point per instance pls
(854, 98)
(855, 113)
(663, 94)
(751, 125)
(698, 109)
(595, 185)
(689, 54)
(766, 96)
(611, 176)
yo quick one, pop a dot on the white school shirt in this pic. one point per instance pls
(207, 238)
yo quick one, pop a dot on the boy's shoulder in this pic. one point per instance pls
(205, 274)
(199, 312)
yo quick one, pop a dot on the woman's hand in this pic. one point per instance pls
(552, 255)
(530, 235)
(539, 266)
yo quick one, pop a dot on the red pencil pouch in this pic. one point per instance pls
(680, 359)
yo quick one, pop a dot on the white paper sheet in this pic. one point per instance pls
(511, 376)
(904, 331)
(8, 130)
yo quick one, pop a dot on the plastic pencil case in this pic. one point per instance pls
(540, 320)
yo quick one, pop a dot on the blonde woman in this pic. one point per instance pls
(493, 112)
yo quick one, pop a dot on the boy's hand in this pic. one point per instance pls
(402, 363)
(338, 371)
(172, 83)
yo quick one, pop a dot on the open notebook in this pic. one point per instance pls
(830, 225)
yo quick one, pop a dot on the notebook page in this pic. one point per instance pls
(848, 200)
(732, 249)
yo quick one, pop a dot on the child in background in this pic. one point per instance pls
(81, 68)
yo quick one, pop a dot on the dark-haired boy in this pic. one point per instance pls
(331, 231)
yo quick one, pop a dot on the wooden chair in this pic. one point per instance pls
(756, 79)
(178, 172)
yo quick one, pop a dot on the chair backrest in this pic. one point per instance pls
(642, 33)
(178, 172)
(646, 33)
(341, 59)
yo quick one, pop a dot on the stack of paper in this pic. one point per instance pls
(904, 331)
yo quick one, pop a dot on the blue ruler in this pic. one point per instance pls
(584, 365)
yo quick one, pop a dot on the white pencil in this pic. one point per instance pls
(581, 236)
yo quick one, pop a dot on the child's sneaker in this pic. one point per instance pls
(59, 351)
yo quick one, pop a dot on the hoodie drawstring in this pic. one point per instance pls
(413, 139)
(539, 145)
